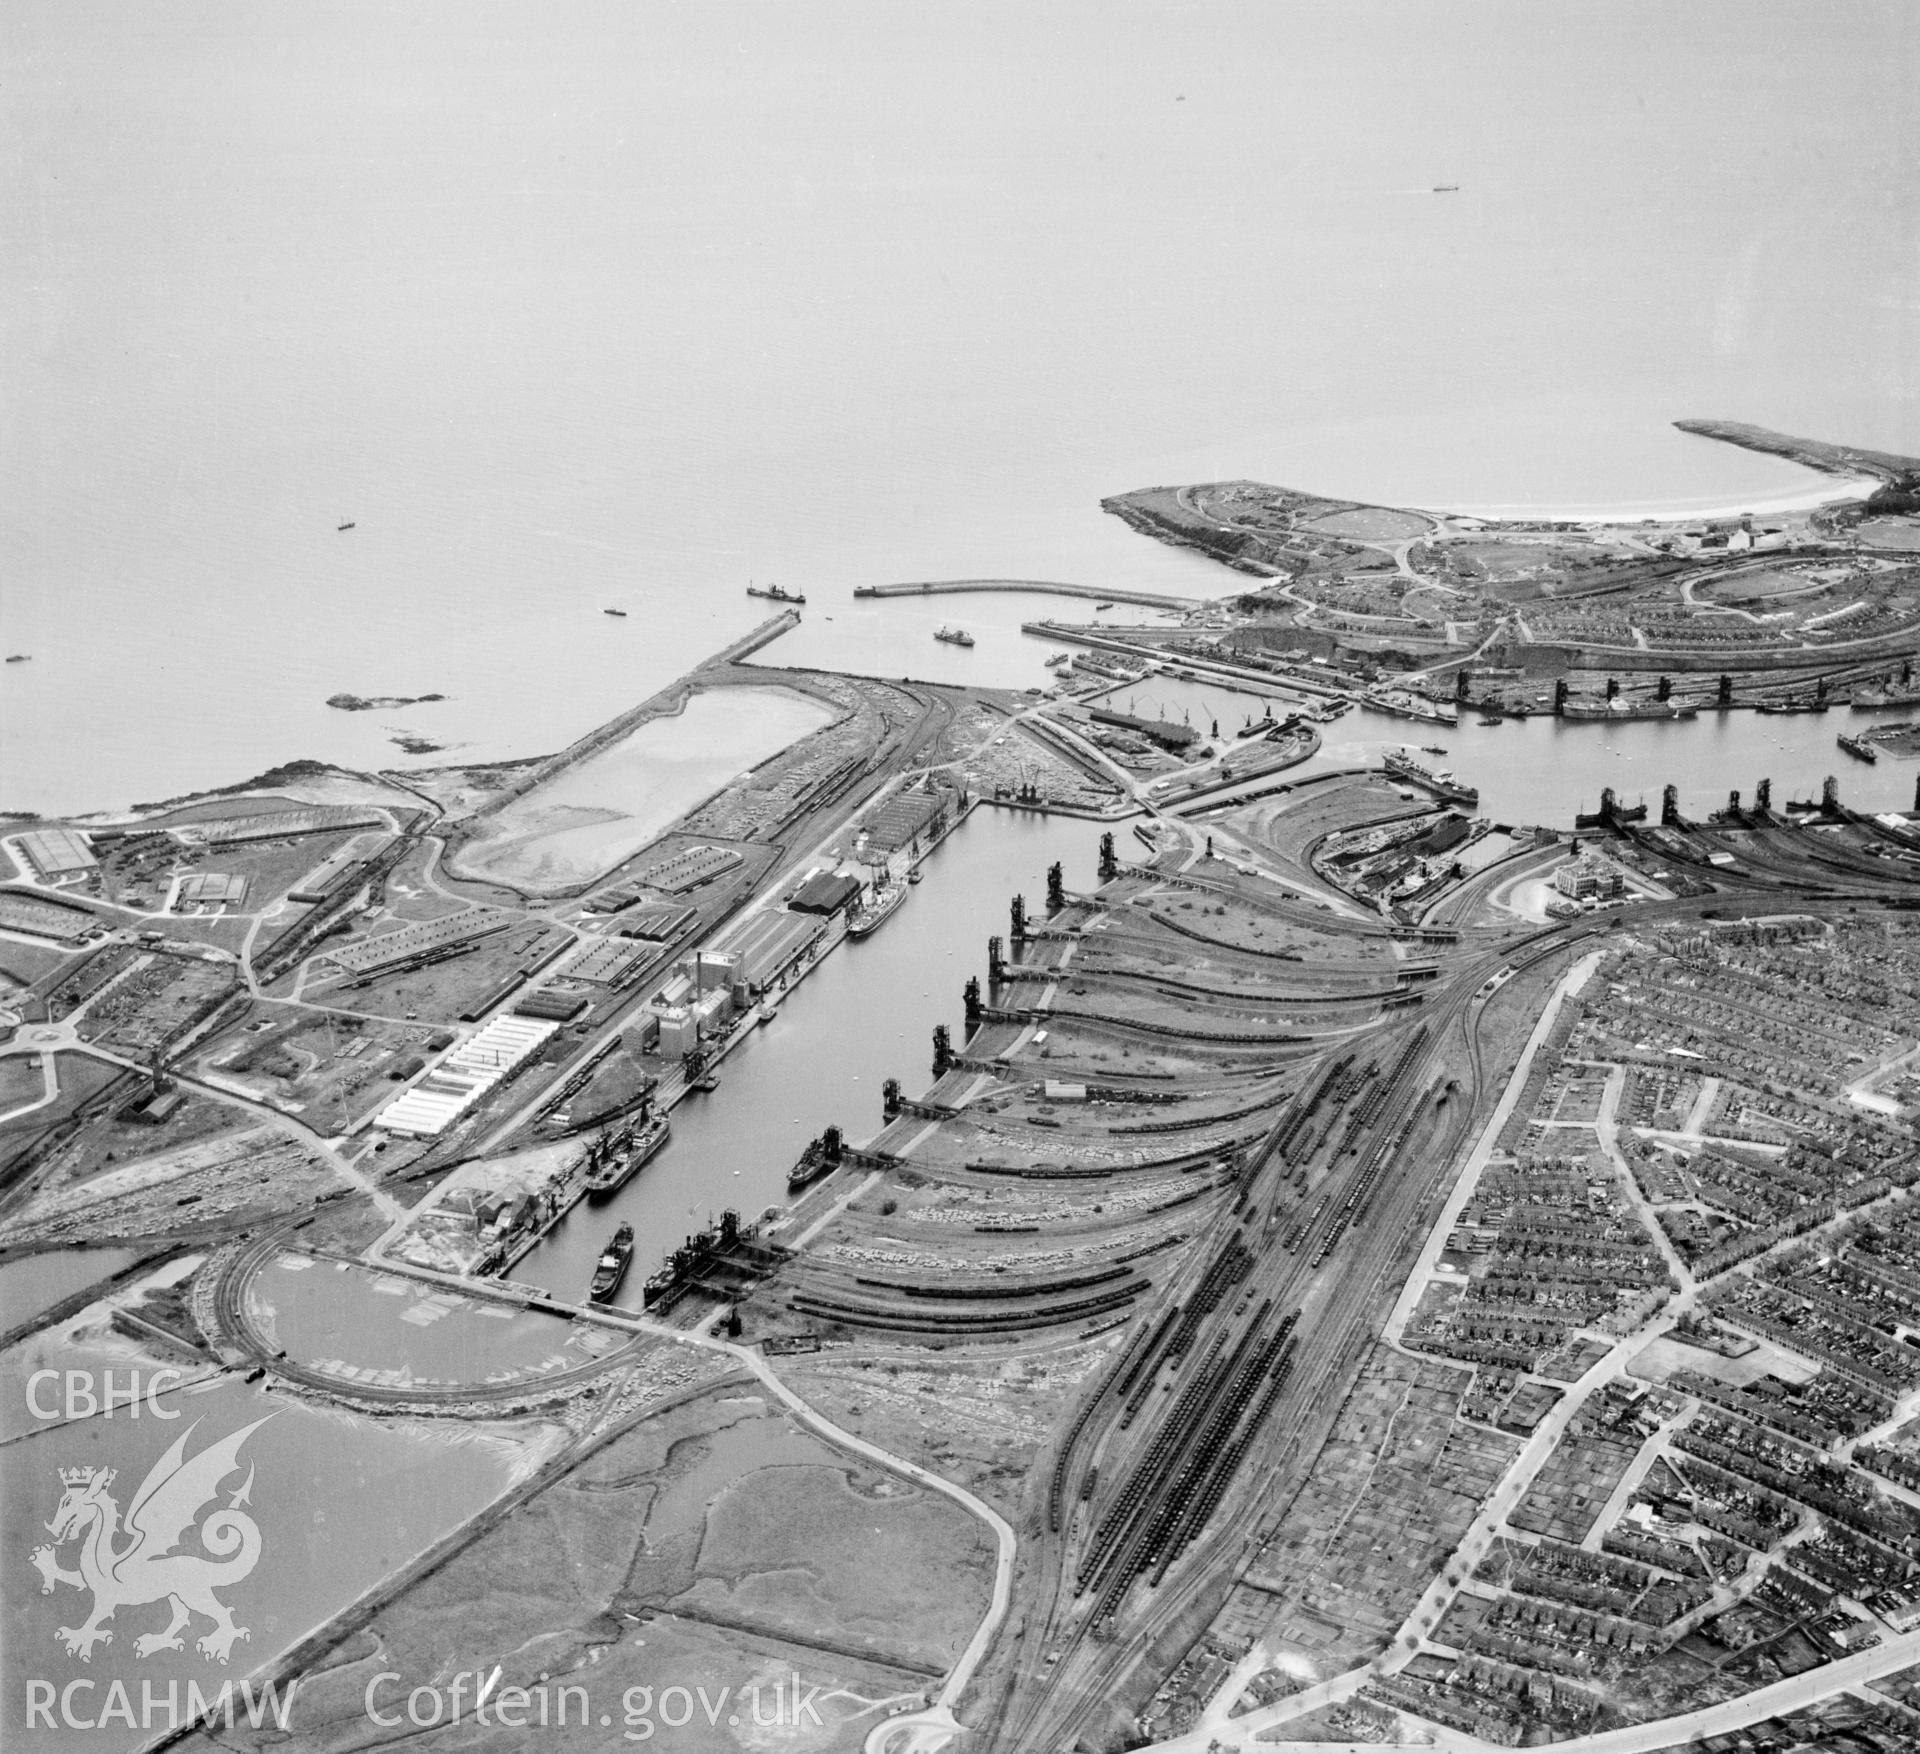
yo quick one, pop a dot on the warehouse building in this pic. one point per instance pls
(825, 893)
(425, 937)
(57, 855)
(464, 1074)
(689, 869)
(773, 942)
(909, 817)
(210, 889)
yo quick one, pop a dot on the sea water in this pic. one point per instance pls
(622, 308)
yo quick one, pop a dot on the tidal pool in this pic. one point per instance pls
(325, 1502)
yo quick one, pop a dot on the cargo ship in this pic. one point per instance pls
(953, 636)
(874, 910)
(1623, 709)
(1802, 705)
(1397, 703)
(1858, 747)
(728, 1246)
(614, 1158)
(611, 1268)
(1443, 785)
(820, 1159)
(1866, 698)
(776, 594)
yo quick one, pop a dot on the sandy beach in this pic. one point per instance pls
(1828, 491)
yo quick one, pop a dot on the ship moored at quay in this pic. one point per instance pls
(1621, 709)
(613, 1159)
(820, 1159)
(612, 1266)
(879, 905)
(1401, 766)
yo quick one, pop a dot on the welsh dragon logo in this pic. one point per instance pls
(146, 1568)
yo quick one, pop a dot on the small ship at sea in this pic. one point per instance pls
(612, 1266)
(619, 612)
(776, 593)
(954, 636)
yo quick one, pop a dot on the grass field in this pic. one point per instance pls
(272, 867)
(20, 1081)
(1372, 524)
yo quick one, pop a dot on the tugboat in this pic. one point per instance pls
(612, 1266)
(868, 916)
(954, 636)
(821, 1158)
(776, 594)
(613, 1159)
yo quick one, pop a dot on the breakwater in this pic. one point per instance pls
(1048, 587)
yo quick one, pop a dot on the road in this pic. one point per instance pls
(1060, 1692)
(231, 1303)
(1794, 1694)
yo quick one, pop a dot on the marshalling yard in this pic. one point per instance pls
(1361, 1273)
